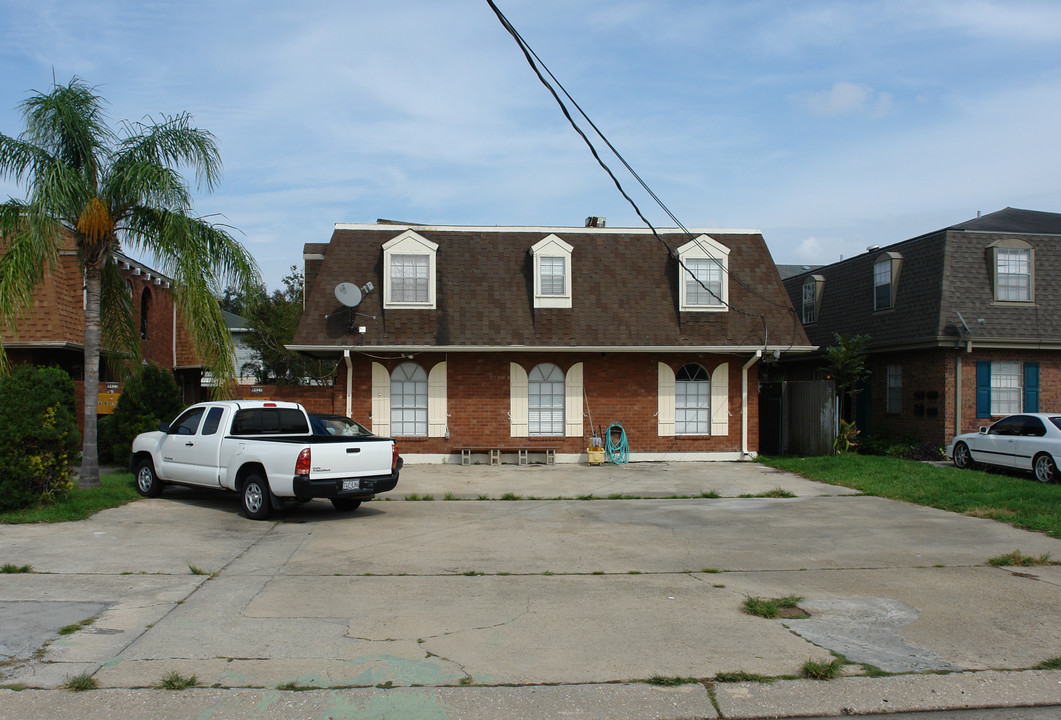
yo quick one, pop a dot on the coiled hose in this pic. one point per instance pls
(617, 453)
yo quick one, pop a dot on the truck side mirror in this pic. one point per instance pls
(163, 427)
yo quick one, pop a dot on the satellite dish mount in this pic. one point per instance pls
(350, 297)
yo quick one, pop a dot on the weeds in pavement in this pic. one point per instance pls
(511, 496)
(1051, 664)
(775, 493)
(771, 608)
(12, 568)
(175, 681)
(742, 676)
(296, 686)
(71, 629)
(671, 681)
(1019, 559)
(80, 683)
(821, 670)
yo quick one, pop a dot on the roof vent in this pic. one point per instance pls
(873, 248)
(596, 222)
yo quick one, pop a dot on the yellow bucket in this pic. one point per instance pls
(596, 455)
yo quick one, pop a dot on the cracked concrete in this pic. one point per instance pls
(587, 594)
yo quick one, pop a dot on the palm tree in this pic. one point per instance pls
(104, 190)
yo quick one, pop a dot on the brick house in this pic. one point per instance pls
(528, 337)
(964, 323)
(52, 332)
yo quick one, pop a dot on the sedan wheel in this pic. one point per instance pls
(962, 458)
(1045, 469)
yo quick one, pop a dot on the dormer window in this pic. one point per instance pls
(409, 272)
(552, 273)
(704, 273)
(886, 279)
(812, 294)
(1013, 265)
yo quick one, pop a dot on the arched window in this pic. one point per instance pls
(408, 401)
(692, 401)
(545, 400)
(145, 308)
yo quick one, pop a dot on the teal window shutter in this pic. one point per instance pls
(1031, 387)
(983, 389)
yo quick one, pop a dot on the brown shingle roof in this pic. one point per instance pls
(624, 294)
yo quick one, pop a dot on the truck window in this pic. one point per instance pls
(187, 423)
(270, 421)
(213, 419)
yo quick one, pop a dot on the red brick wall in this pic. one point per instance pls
(619, 387)
(325, 399)
(1049, 381)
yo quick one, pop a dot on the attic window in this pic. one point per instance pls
(812, 295)
(886, 279)
(1013, 262)
(704, 276)
(409, 272)
(552, 273)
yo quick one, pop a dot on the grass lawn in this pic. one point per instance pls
(117, 489)
(1011, 498)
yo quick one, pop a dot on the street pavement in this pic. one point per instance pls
(529, 592)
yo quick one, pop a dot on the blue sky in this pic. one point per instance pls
(830, 126)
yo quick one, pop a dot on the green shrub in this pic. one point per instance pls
(149, 396)
(41, 438)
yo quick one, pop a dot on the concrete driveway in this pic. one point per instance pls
(468, 603)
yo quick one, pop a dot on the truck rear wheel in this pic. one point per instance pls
(147, 482)
(256, 501)
(345, 504)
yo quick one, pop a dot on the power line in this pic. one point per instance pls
(538, 66)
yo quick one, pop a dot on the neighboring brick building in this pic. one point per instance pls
(530, 337)
(52, 332)
(964, 323)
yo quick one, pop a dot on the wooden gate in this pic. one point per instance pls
(797, 417)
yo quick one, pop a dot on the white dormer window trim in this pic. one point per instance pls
(408, 245)
(707, 254)
(556, 254)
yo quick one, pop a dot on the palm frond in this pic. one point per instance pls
(173, 141)
(31, 249)
(134, 182)
(21, 161)
(69, 123)
(199, 258)
(120, 336)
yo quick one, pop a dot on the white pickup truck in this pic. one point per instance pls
(265, 451)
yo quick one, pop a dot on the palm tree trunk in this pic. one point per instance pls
(89, 454)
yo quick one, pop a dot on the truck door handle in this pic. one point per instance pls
(189, 444)
(353, 450)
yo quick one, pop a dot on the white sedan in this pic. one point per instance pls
(1031, 442)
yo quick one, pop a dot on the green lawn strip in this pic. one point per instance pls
(117, 489)
(1015, 499)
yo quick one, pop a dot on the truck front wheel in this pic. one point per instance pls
(256, 501)
(147, 482)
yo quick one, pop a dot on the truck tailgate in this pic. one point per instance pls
(348, 458)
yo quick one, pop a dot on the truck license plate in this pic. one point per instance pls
(351, 484)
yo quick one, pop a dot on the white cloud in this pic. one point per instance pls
(845, 98)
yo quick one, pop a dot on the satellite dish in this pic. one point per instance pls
(348, 294)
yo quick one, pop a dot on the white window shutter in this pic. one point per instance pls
(573, 401)
(665, 403)
(381, 400)
(720, 400)
(437, 420)
(518, 414)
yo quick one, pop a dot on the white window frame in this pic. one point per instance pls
(552, 246)
(701, 424)
(1007, 387)
(399, 427)
(556, 426)
(1005, 255)
(703, 248)
(812, 295)
(409, 243)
